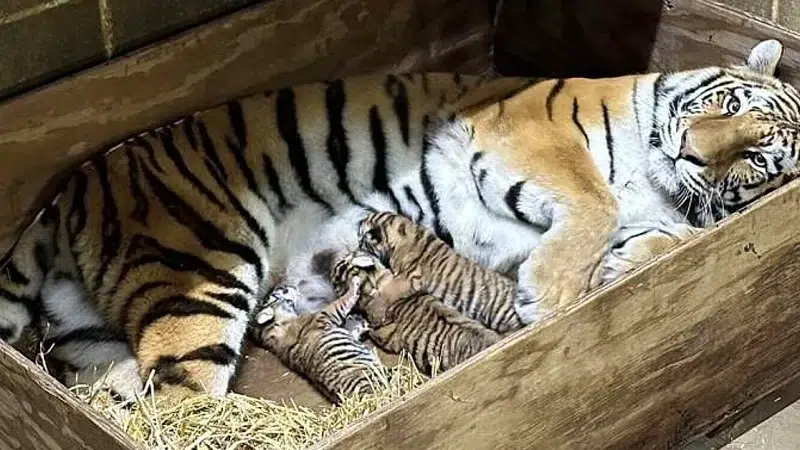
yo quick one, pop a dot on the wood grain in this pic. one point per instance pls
(273, 44)
(647, 363)
(37, 413)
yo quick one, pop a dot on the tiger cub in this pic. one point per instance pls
(434, 334)
(324, 346)
(415, 253)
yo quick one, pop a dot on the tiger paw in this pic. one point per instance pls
(543, 288)
(121, 379)
(634, 245)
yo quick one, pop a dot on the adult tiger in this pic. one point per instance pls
(173, 233)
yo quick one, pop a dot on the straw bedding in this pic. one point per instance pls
(241, 422)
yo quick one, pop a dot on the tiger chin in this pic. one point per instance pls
(175, 234)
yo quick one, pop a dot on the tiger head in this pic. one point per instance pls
(725, 136)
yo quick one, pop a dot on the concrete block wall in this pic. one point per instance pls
(785, 13)
(41, 40)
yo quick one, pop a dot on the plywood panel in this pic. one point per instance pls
(38, 413)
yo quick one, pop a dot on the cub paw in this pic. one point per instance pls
(357, 325)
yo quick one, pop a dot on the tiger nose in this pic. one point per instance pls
(689, 151)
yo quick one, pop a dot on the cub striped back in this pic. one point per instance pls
(433, 267)
(435, 335)
(323, 349)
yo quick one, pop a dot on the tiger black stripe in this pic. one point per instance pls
(219, 354)
(178, 306)
(178, 261)
(205, 231)
(168, 143)
(250, 221)
(413, 199)
(380, 180)
(91, 334)
(551, 96)
(124, 312)
(395, 201)
(397, 90)
(142, 143)
(609, 141)
(111, 232)
(141, 208)
(77, 212)
(274, 181)
(338, 150)
(480, 179)
(167, 371)
(287, 128)
(577, 121)
(430, 193)
(188, 131)
(512, 200)
(658, 87)
(14, 274)
(210, 150)
(238, 123)
(236, 300)
(238, 148)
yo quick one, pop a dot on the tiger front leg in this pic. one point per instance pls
(560, 191)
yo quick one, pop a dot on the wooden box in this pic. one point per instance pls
(652, 361)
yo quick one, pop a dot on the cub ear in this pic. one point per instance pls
(765, 56)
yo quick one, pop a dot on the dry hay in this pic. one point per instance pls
(241, 422)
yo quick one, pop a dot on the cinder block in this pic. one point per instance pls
(761, 8)
(138, 22)
(39, 44)
(789, 14)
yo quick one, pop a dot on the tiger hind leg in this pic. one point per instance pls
(189, 338)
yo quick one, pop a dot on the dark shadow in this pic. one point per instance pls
(566, 38)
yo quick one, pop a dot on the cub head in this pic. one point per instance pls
(384, 234)
(282, 336)
(725, 136)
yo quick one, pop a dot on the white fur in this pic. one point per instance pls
(103, 364)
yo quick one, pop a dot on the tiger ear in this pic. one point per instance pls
(765, 56)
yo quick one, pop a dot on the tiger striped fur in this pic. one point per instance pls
(325, 348)
(176, 233)
(436, 336)
(415, 254)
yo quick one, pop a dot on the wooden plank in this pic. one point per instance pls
(694, 32)
(647, 363)
(616, 37)
(276, 43)
(38, 413)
